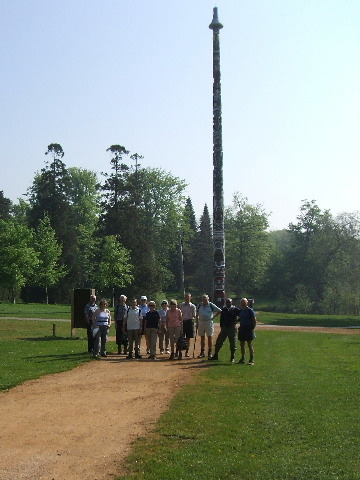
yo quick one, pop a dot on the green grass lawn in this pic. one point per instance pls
(292, 416)
(29, 350)
(306, 320)
(35, 310)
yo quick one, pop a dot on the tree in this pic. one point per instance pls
(5, 207)
(48, 271)
(204, 255)
(188, 230)
(114, 267)
(248, 246)
(138, 204)
(85, 209)
(49, 194)
(114, 191)
(18, 257)
(316, 257)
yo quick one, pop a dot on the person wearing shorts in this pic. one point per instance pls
(188, 311)
(246, 330)
(206, 313)
(133, 325)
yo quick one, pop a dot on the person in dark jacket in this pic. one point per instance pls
(119, 316)
(246, 330)
(228, 318)
(152, 328)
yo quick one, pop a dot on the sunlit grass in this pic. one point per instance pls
(292, 416)
(35, 310)
(29, 350)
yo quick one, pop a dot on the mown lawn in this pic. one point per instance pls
(29, 350)
(307, 320)
(292, 416)
(35, 310)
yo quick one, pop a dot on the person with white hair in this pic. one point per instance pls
(89, 311)
(119, 317)
(246, 330)
(144, 308)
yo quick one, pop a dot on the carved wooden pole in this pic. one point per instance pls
(218, 194)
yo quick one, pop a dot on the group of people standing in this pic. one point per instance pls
(167, 325)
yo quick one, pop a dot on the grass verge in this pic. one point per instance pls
(292, 416)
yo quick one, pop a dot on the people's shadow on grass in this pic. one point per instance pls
(61, 356)
(47, 339)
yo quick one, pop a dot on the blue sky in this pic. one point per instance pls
(88, 74)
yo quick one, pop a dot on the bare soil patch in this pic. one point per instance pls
(80, 425)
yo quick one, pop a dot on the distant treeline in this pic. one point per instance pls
(134, 231)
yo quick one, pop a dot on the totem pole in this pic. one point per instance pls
(218, 194)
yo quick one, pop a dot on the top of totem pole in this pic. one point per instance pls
(215, 24)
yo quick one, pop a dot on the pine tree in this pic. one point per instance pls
(204, 255)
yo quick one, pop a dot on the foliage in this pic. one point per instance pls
(248, 247)
(5, 207)
(18, 256)
(203, 256)
(48, 271)
(85, 209)
(138, 204)
(113, 264)
(49, 194)
(322, 261)
(189, 231)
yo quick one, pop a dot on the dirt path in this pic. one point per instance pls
(80, 425)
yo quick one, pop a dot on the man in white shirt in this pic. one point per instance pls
(133, 323)
(206, 313)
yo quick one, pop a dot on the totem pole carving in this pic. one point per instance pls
(218, 194)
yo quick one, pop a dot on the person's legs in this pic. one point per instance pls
(251, 351)
(231, 333)
(124, 341)
(137, 336)
(131, 343)
(103, 335)
(219, 342)
(148, 339)
(210, 342)
(96, 343)
(161, 338)
(177, 335)
(209, 333)
(189, 334)
(138, 342)
(202, 346)
(201, 333)
(171, 331)
(167, 340)
(153, 341)
(90, 338)
(242, 349)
